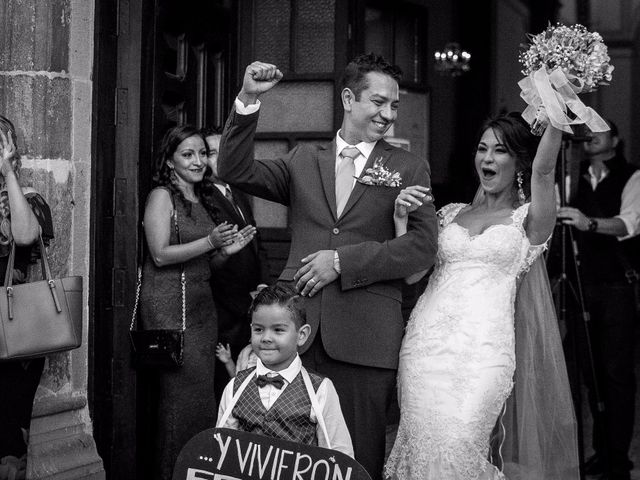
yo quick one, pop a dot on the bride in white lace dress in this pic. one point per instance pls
(457, 359)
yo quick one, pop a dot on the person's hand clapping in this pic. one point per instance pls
(223, 235)
(258, 78)
(410, 199)
(7, 153)
(240, 240)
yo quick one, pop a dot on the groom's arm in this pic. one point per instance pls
(267, 179)
(236, 165)
(362, 264)
(365, 263)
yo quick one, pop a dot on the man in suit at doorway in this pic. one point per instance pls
(344, 254)
(233, 279)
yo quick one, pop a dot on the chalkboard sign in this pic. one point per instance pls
(224, 454)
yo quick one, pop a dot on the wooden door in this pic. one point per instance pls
(186, 71)
(158, 63)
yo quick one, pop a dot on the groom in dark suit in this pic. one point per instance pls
(344, 253)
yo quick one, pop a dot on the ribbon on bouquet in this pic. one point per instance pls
(557, 92)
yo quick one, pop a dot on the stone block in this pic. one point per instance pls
(60, 447)
(34, 35)
(40, 109)
(81, 39)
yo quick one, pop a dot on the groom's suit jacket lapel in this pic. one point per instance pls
(327, 166)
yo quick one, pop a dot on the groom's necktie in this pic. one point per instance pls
(344, 176)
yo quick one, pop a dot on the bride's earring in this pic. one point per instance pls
(521, 196)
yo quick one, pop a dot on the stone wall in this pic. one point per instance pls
(46, 55)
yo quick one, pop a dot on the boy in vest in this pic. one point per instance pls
(279, 397)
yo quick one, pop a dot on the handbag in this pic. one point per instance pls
(159, 348)
(42, 317)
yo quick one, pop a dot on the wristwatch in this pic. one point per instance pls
(593, 225)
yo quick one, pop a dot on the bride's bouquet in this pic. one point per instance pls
(559, 64)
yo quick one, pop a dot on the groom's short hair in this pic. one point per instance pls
(354, 74)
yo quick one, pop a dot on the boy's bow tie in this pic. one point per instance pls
(277, 381)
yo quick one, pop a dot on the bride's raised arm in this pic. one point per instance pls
(542, 211)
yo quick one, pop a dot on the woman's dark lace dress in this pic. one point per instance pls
(184, 397)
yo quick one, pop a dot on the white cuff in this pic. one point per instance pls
(336, 262)
(246, 110)
(629, 226)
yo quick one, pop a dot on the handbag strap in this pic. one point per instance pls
(134, 315)
(44, 263)
(46, 275)
(183, 276)
(183, 279)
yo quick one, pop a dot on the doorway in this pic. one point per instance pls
(157, 63)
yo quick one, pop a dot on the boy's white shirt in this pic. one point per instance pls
(327, 399)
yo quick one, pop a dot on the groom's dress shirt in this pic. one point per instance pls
(359, 162)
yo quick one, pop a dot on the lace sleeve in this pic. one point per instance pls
(447, 213)
(529, 252)
(531, 255)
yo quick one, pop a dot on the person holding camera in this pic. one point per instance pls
(606, 213)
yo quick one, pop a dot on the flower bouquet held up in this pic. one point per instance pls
(559, 64)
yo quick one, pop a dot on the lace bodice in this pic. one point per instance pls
(505, 247)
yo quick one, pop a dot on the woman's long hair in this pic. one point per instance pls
(516, 135)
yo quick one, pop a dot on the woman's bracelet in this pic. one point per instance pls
(210, 242)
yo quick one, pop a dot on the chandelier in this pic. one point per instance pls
(452, 60)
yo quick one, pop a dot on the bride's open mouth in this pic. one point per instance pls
(488, 173)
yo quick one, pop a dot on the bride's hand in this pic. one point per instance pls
(410, 199)
(541, 122)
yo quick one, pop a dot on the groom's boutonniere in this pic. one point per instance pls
(380, 175)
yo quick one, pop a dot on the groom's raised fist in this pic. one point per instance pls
(258, 78)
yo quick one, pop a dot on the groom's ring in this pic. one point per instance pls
(313, 280)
